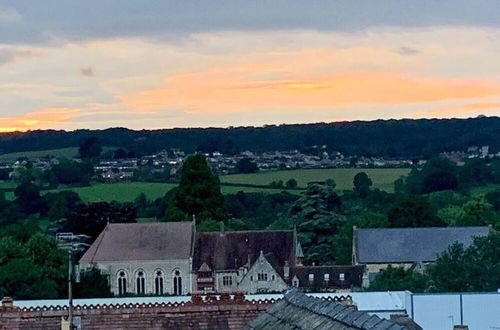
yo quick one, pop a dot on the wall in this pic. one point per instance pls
(149, 268)
(251, 284)
(224, 313)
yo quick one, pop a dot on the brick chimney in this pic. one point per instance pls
(7, 303)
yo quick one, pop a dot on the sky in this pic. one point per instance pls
(68, 64)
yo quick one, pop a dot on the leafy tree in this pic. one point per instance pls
(475, 268)
(62, 204)
(4, 174)
(317, 221)
(71, 172)
(34, 270)
(245, 165)
(476, 213)
(362, 184)
(28, 198)
(198, 193)
(291, 184)
(475, 172)
(414, 211)
(493, 197)
(120, 154)
(90, 219)
(90, 148)
(93, 284)
(277, 184)
(399, 279)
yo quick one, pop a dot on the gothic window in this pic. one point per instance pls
(140, 281)
(227, 280)
(159, 283)
(177, 283)
(262, 277)
(122, 283)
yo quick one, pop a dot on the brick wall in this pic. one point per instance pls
(211, 313)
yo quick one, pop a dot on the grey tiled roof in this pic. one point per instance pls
(142, 241)
(298, 311)
(386, 245)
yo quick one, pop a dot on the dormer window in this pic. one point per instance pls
(311, 278)
(342, 276)
(295, 282)
(327, 277)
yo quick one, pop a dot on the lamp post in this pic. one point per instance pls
(70, 289)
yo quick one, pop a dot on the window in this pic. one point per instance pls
(273, 277)
(295, 282)
(140, 282)
(341, 276)
(122, 283)
(159, 283)
(311, 278)
(262, 277)
(227, 280)
(327, 277)
(177, 283)
(251, 278)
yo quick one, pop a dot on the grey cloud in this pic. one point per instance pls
(87, 72)
(51, 21)
(408, 51)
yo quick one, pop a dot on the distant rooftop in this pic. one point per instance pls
(142, 241)
(387, 245)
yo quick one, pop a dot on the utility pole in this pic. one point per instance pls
(70, 289)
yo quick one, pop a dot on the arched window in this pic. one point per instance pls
(159, 282)
(122, 283)
(177, 283)
(140, 281)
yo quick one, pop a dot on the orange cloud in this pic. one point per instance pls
(239, 88)
(43, 118)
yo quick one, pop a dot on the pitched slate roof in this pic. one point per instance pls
(386, 245)
(298, 311)
(234, 249)
(353, 276)
(142, 241)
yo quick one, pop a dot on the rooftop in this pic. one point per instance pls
(387, 245)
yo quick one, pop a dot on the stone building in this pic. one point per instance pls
(377, 248)
(144, 258)
(172, 258)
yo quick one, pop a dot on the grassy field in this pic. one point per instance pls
(483, 190)
(57, 153)
(128, 191)
(383, 178)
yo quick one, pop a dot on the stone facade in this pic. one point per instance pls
(158, 275)
(262, 277)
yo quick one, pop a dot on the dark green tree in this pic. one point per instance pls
(362, 184)
(317, 220)
(414, 211)
(93, 284)
(28, 198)
(246, 165)
(399, 279)
(90, 148)
(291, 184)
(198, 193)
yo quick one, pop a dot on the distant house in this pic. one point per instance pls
(408, 247)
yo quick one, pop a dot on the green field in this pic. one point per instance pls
(128, 191)
(483, 190)
(57, 153)
(383, 178)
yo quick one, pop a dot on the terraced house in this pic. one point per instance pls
(171, 258)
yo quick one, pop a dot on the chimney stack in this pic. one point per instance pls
(460, 327)
(221, 225)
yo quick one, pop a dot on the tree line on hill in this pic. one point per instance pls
(387, 138)
(323, 216)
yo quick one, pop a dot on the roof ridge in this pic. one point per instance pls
(336, 311)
